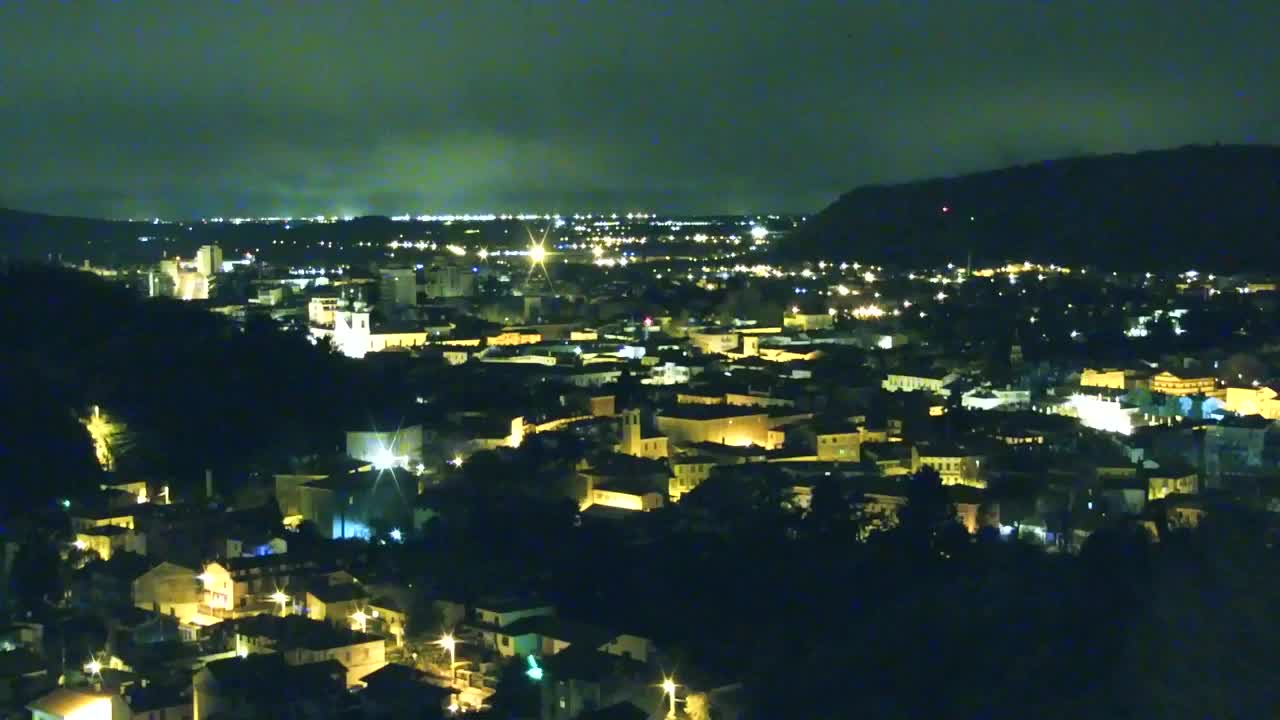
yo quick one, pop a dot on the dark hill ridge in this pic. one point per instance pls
(1216, 207)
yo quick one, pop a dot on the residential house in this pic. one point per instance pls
(301, 641)
(1172, 479)
(400, 691)
(581, 680)
(335, 603)
(169, 589)
(66, 703)
(265, 686)
(687, 473)
(106, 540)
(954, 465)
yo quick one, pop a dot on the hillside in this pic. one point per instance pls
(1212, 207)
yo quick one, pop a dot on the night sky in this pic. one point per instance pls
(211, 108)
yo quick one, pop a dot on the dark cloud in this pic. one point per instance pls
(147, 108)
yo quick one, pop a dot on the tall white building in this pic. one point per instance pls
(209, 260)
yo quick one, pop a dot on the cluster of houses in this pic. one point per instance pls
(271, 607)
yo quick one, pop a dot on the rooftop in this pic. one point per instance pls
(299, 632)
(708, 412)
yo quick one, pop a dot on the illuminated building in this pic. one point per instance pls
(1262, 400)
(218, 589)
(335, 603)
(301, 641)
(984, 398)
(929, 381)
(169, 589)
(954, 466)
(1106, 414)
(320, 311)
(806, 322)
(1112, 379)
(715, 342)
(624, 482)
(73, 704)
(384, 449)
(692, 424)
(347, 506)
(835, 444)
(1170, 384)
(353, 334)
(209, 260)
(107, 540)
(634, 442)
(687, 474)
(511, 337)
(1164, 482)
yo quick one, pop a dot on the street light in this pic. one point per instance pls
(669, 688)
(450, 643)
(362, 620)
(278, 597)
(93, 667)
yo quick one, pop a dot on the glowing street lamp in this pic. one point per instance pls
(93, 667)
(537, 254)
(669, 689)
(361, 619)
(450, 643)
(278, 597)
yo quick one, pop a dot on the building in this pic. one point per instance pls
(320, 311)
(634, 441)
(170, 589)
(265, 686)
(107, 540)
(352, 506)
(353, 334)
(624, 482)
(928, 381)
(301, 641)
(1170, 384)
(688, 473)
(1108, 378)
(693, 424)
(954, 466)
(398, 287)
(715, 342)
(984, 398)
(449, 281)
(1108, 414)
(1262, 400)
(581, 680)
(386, 448)
(1173, 480)
(209, 260)
(808, 322)
(74, 704)
(838, 443)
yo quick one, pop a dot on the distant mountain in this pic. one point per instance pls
(29, 235)
(1215, 207)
